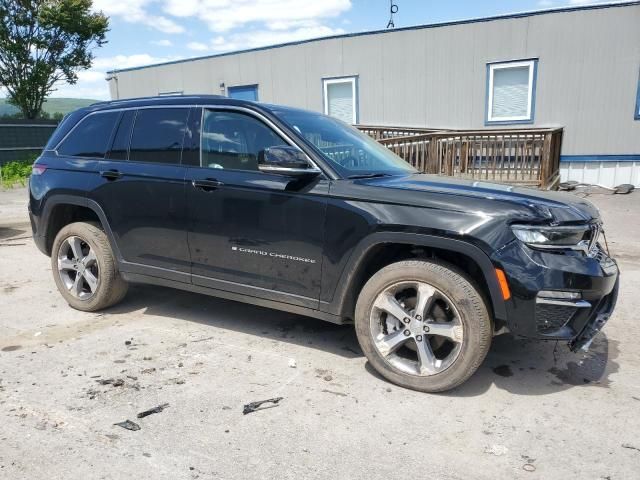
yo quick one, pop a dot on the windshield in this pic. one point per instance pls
(351, 152)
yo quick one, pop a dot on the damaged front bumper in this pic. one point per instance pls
(599, 317)
(558, 296)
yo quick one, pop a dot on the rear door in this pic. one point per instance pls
(141, 187)
(250, 232)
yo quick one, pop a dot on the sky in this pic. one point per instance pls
(143, 32)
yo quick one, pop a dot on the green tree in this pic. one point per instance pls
(43, 42)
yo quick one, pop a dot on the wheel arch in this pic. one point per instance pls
(60, 210)
(381, 249)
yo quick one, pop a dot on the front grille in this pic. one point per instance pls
(550, 318)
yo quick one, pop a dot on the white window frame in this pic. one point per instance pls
(502, 66)
(353, 79)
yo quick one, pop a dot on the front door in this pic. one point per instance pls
(252, 232)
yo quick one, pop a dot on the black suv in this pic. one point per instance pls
(297, 211)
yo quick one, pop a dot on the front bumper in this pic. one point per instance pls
(592, 280)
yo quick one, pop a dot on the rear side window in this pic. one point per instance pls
(158, 134)
(90, 138)
(120, 146)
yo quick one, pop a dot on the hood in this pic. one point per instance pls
(556, 207)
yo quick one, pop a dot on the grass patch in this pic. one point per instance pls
(16, 173)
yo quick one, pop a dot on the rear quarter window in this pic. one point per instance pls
(90, 138)
(158, 134)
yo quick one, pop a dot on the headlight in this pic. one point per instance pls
(567, 237)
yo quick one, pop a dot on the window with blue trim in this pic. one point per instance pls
(511, 91)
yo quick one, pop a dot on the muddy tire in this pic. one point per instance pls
(423, 325)
(85, 269)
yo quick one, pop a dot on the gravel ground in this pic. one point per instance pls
(533, 410)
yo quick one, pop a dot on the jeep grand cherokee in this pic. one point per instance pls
(297, 211)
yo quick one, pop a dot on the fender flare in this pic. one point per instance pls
(341, 294)
(64, 199)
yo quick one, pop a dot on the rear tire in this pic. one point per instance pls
(85, 269)
(444, 333)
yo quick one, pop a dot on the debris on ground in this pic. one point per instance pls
(340, 394)
(630, 447)
(255, 406)
(292, 363)
(153, 410)
(497, 450)
(128, 425)
(116, 382)
(527, 467)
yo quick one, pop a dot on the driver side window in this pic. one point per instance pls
(232, 140)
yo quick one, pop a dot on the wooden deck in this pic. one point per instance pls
(514, 156)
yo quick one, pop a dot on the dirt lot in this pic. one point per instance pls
(532, 411)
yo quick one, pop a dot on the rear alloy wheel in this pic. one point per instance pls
(423, 325)
(85, 269)
(78, 268)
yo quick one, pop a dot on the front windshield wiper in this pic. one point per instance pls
(369, 175)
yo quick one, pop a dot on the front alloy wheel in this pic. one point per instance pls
(423, 324)
(416, 328)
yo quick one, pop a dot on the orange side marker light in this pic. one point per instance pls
(504, 286)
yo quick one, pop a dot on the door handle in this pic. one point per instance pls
(111, 174)
(206, 185)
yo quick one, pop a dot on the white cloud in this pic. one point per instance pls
(162, 43)
(126, 61)
(134, 11)
(224, 15)
(197, 46)
(92, 83)
(261, 38)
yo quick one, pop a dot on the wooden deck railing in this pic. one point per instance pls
(380, 133)
(515, 156)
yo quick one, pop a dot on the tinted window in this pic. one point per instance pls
(350, 151)
(123, 134)
(157, 135)
(233, 140)
(91, 136)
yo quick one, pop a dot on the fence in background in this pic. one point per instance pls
(22, 139)
(515, 156)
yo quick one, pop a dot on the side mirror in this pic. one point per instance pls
(285, 160)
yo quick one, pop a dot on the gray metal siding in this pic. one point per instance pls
(436, 77)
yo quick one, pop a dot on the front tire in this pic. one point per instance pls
(423, 325)
(85, 269)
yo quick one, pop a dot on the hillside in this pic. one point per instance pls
(53, 105)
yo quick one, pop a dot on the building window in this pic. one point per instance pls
(341, 98)
(511, 91)
(244, 92)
